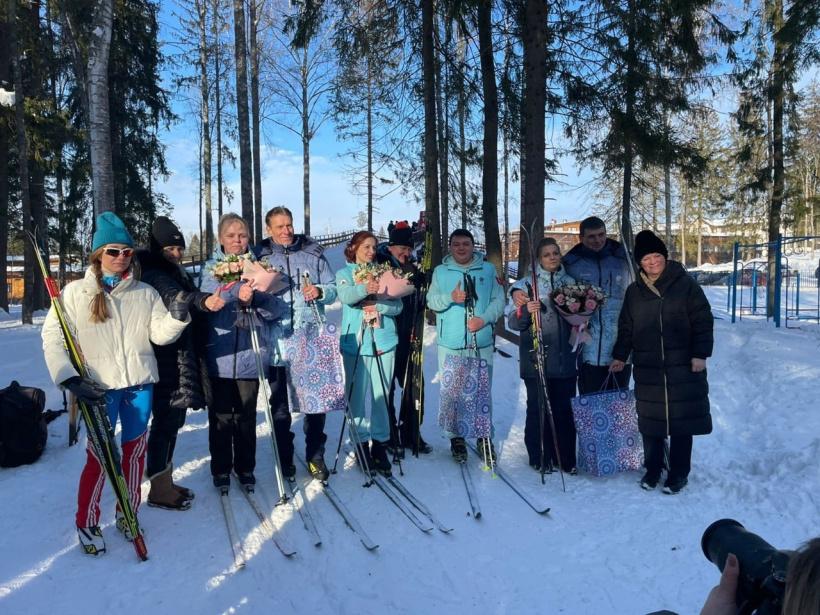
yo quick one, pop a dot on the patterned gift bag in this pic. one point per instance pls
(608, 437)
(316, 384)
(464, 408)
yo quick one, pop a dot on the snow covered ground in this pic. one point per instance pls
(606, 546)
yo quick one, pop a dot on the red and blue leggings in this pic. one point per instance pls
(133, 407)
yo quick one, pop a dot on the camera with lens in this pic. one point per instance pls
(762, 581)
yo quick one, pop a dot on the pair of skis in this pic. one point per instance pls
(497, 471)
(403, 499)
(98, 427)
(239, 557)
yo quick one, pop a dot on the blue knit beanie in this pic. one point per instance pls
(110, 229)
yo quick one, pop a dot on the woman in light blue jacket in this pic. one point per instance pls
(368, 343)
(458, 335)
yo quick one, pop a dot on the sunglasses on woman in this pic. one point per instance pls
(115, 252)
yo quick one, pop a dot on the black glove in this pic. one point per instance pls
(180, 307)
(85, 389)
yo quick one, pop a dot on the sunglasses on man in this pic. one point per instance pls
(115, 252)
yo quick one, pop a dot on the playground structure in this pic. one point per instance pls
(795, 292)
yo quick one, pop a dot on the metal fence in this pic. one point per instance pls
(795, 267)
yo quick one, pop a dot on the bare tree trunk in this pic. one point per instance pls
(5, 143)
(243, 122)
(431, 189)
(532, 125)
(306, 138)
(22, 163)
(461, 111)
(489, 176)
(778, 100)
(506, 156)
(218, 105)
(629, 159)
(59, 175)
(684, 207)
(667, 199)
(205, 98)
(443, 142)
(369, 128)
(99, 122)
(257, 163)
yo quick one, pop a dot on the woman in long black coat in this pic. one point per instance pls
(666, 324)
(183, 380)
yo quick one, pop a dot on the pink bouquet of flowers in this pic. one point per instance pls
(393, 283)
(576, 303)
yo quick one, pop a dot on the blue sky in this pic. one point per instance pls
(334, 205)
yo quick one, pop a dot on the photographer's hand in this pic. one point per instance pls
(721, 600)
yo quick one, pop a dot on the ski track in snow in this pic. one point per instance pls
(606, 546)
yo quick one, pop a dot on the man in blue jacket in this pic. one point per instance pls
(294, 255)
(602, 262)
(447, 298)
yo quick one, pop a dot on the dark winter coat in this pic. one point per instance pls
(665, 326)
(228, 350)
(183, 381)
(561, 359)
(404, 320)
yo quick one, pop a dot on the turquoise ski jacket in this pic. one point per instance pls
(451, 318)
(351, 295)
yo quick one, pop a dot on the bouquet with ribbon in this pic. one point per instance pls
(576, 303)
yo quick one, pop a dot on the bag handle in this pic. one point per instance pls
(610, 377)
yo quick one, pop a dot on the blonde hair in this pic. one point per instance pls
(230, 218)
(803, 581)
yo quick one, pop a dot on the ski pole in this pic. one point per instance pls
(263, 383)
(380, 369)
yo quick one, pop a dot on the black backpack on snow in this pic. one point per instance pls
(23, 431)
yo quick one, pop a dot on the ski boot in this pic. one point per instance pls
(247, 480)
(459, 449)
(91, 540)
(122, 526)
(318, 470)
(381, 464)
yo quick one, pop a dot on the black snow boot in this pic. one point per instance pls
(674, 485)
(650, 480)
(318, 470)
(381, 463)
(458, 447)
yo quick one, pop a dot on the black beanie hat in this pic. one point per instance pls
(646, 242)
(165, 233)
(401, 235)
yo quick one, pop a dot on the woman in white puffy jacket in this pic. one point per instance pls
(115, 318)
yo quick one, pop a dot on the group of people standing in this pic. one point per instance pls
(156, 342)
(655, 315)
